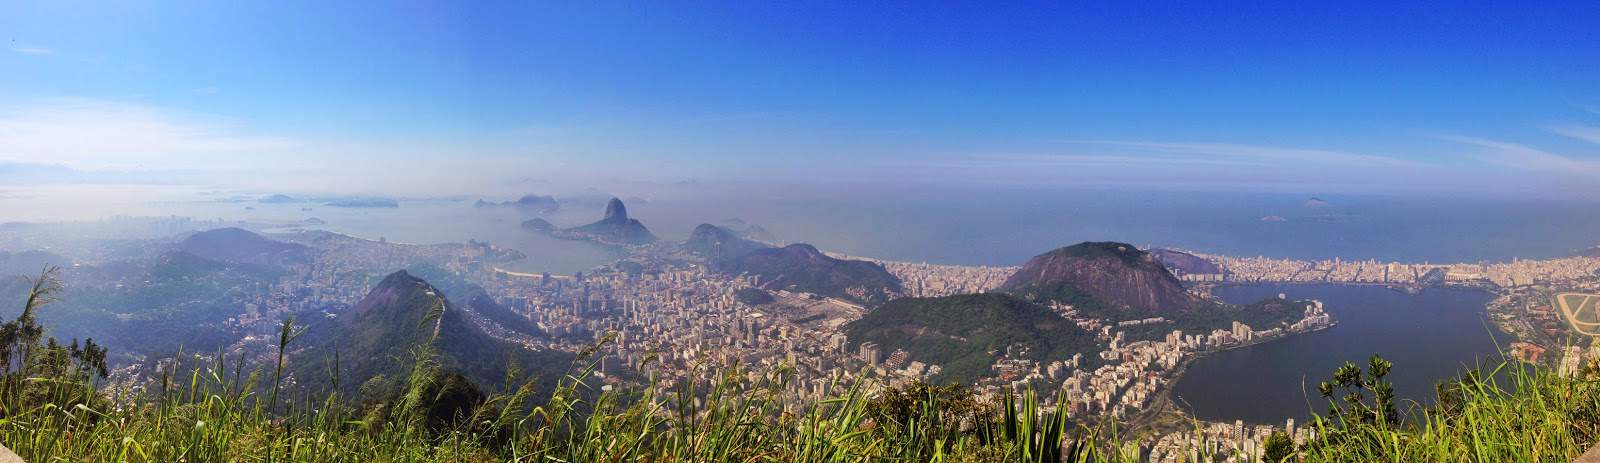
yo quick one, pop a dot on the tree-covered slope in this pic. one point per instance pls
(801, 267)
(714, 242)
(965, 334)
(378, 340)
(239, 246)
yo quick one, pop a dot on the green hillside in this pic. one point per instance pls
(400, 316)
(965, 334)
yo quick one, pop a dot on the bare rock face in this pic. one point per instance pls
(1183, 262)
(1116, 274)
(616, 211)
(614, 227)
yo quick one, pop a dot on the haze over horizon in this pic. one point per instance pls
(429, 100)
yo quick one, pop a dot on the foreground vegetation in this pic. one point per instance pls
(209, 409)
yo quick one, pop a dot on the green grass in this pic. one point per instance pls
(1528, 414)
(202, 413)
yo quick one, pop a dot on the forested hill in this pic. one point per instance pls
(965, 334)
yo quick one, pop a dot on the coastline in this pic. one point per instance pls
(1164, 404)
(1165, 414)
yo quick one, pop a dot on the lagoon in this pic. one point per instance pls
(1430, 336)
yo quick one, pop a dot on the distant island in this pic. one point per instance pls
(615, 228)
(278, 199)
(363, 203)
(527, 203)
(538, 225)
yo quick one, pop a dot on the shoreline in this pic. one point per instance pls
(1164, 408)
(1151, 416)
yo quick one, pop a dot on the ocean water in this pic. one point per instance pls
(951, 226)
(1006, 227)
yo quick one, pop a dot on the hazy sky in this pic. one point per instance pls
(418, 98)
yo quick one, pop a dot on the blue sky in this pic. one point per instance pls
(1443, 98)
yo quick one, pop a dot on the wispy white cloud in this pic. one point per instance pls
(95, 134)
(1523, 157)
(1202, 166)
(1104, 160)
(1586, 133)
(1258, 153)
(33, 50)
(140, 143)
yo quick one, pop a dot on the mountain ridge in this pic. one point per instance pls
(714, 242)
(239, 246)
(402, 314)
(1116, 274)
(802, 267)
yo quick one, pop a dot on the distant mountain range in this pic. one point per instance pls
(714, 242)
(363, 203)
(747, 230)
(149, 306)
(377, 341)
(801, 267)
(278, 199)
(797, 267)
(528, 203)
(240, 246)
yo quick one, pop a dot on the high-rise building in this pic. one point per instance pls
(870, 353)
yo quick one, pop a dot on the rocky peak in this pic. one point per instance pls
(616, 211)
(1115, 273)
